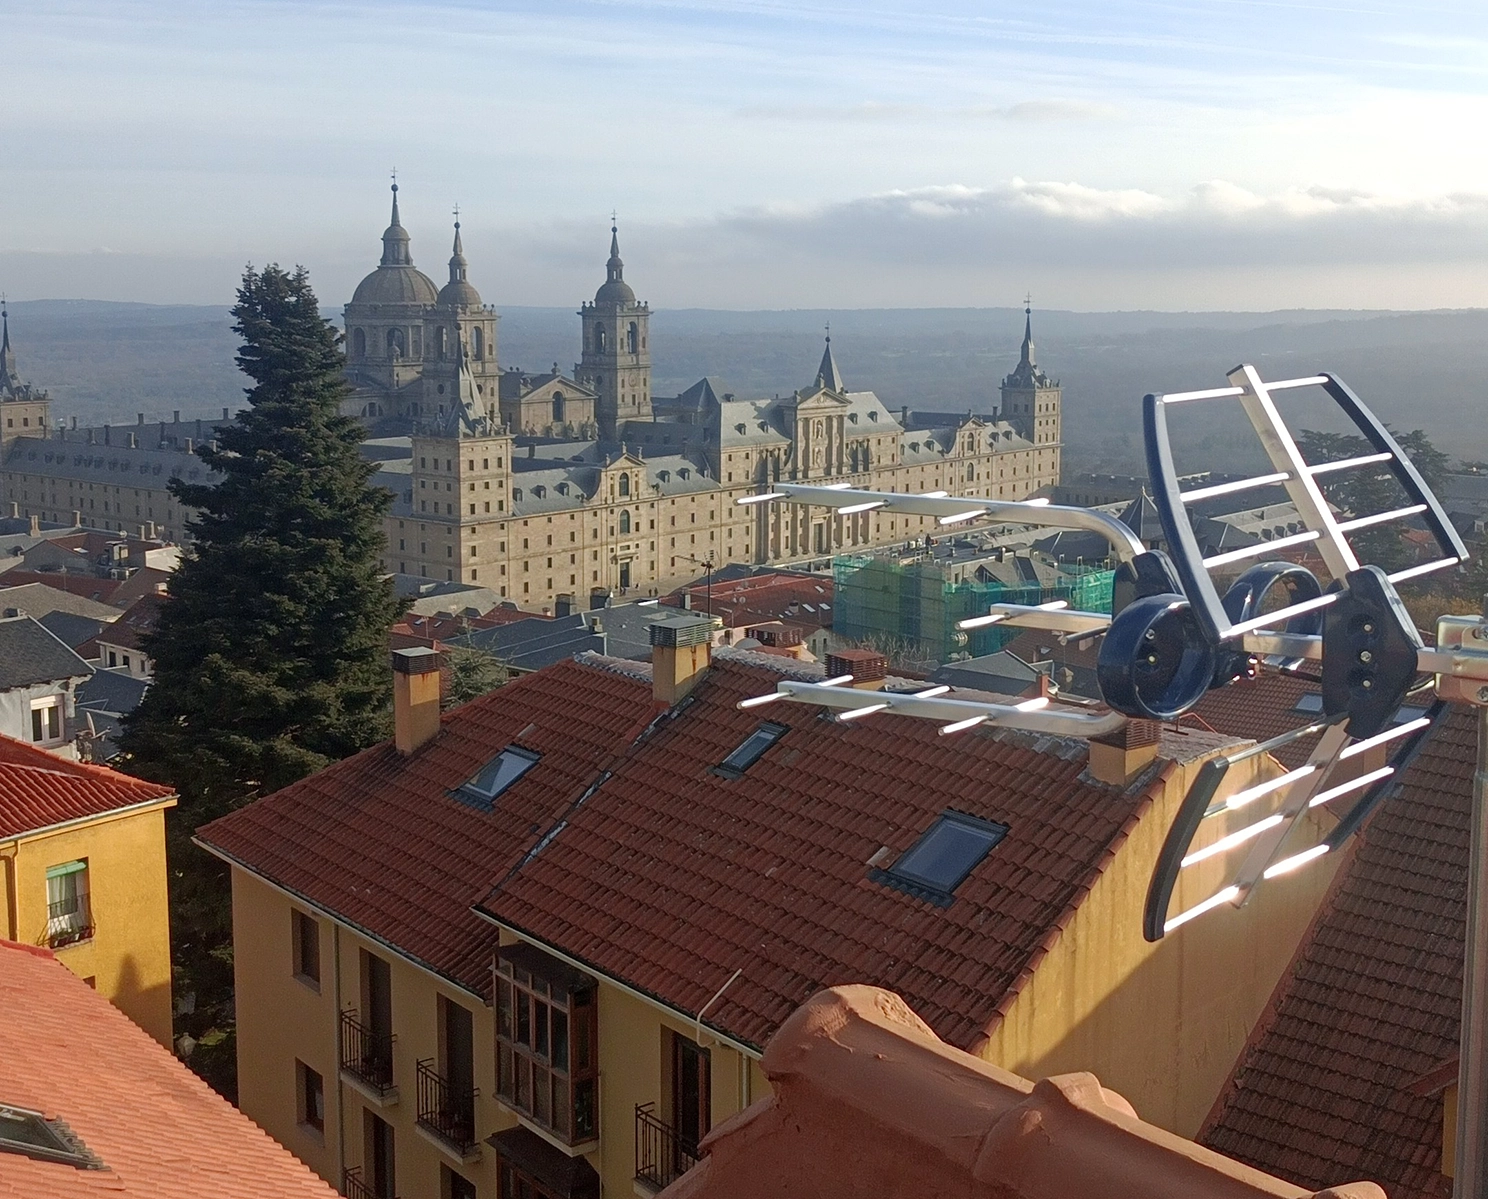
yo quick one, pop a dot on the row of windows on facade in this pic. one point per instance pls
(546, 1068)
(397, 341)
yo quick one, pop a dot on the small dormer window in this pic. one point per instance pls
(872, 415)
(540, 491)
(516, 493)
(684, 473)
(664, 475)
(741, 427)
(562, 488)
(853, 416)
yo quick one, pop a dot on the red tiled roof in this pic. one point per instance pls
(137, 620)
(671, 878)
(765, 597)
(101, 590)
(1262, 708)
(378, 841)
(39, 790)
(1328, 1086)
(159, 1131)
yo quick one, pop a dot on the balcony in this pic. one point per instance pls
(353, 1186)
(69, 921)
(448, 1114)
(367, 1058)
(661, 1154)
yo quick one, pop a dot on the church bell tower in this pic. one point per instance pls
(616, 361)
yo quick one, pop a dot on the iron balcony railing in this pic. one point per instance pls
(662, 1155)
(69, 921)
(447, 1113)
(366, 1054)
(354, 1187)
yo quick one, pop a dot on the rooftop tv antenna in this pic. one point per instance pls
(1172, 636)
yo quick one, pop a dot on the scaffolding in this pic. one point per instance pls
(910, 605)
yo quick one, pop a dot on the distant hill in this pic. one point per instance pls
(108, 361)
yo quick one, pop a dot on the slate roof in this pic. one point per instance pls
(158, 1130)
(113, 692)
(42, 600)
(39, 790)
(378, 840)
(71, 630)
(1326, 1087)
(29, 654)
(535, 642)
(671, 878)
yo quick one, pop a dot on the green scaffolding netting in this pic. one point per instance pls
(912, 604)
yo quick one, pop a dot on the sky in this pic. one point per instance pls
(1102, 154)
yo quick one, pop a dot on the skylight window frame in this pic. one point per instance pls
(920, 886)
(62, 1144)
(731, 769)
(468, 793)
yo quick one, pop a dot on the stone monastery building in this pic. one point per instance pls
(540, 485)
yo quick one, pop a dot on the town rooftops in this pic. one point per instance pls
(669, 848)
(866, 1101)
(39, 790)
(128, 631)
(29, 654)
(96, 1107)
(1330, 1085)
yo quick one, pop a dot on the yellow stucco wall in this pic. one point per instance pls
(281, 1019)
(1161, 1024)
(128, 956)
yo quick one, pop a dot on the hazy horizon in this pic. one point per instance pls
(761, 154)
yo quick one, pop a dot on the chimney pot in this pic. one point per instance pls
(415, 698)
(867, 667)
(224, 414)
(176, 417)
(35, 526)
(681, 651)
(141, 418)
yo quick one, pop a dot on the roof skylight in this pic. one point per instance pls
(31, 1134)
(950, 849)
(751, 749)
(497, 775)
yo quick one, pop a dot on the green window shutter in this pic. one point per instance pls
(66, 868)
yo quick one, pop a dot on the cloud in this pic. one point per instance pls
(880, 113)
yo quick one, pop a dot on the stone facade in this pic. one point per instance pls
(544, 485)
(23, 409)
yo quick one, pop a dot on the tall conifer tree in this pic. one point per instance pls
(270, 656)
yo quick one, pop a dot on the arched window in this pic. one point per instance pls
(624, 484)
(395, 343)
(558, 402)
(478, 344)
(634, 338)
(599, 338)
(358, 343)
(443, 342)
(624, 522)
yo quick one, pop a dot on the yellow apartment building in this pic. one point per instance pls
(535, 946)
(82, 869)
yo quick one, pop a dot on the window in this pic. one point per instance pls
(69, 914)
(624, 523)
(379, 1155)
(934, 866)
(305, 933)
(46, 720)
(547, 1052)
(691, 1097)
(455, 1186)
(497, 775)
(751, 750)
(1309, 703)
(31, 1134)
(309, 1097)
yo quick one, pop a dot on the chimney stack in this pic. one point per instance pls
(105, 435)
(563, 605)
(415, 698)
(141, 417)
(1117, 757)
(224, 414)
(867, 667)
(681, 651)
(133, 444)
(35, 526)
(77, 518)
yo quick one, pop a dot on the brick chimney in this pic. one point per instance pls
(867, 667)
(1117, 757)
(681, 650)
(415, 698)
